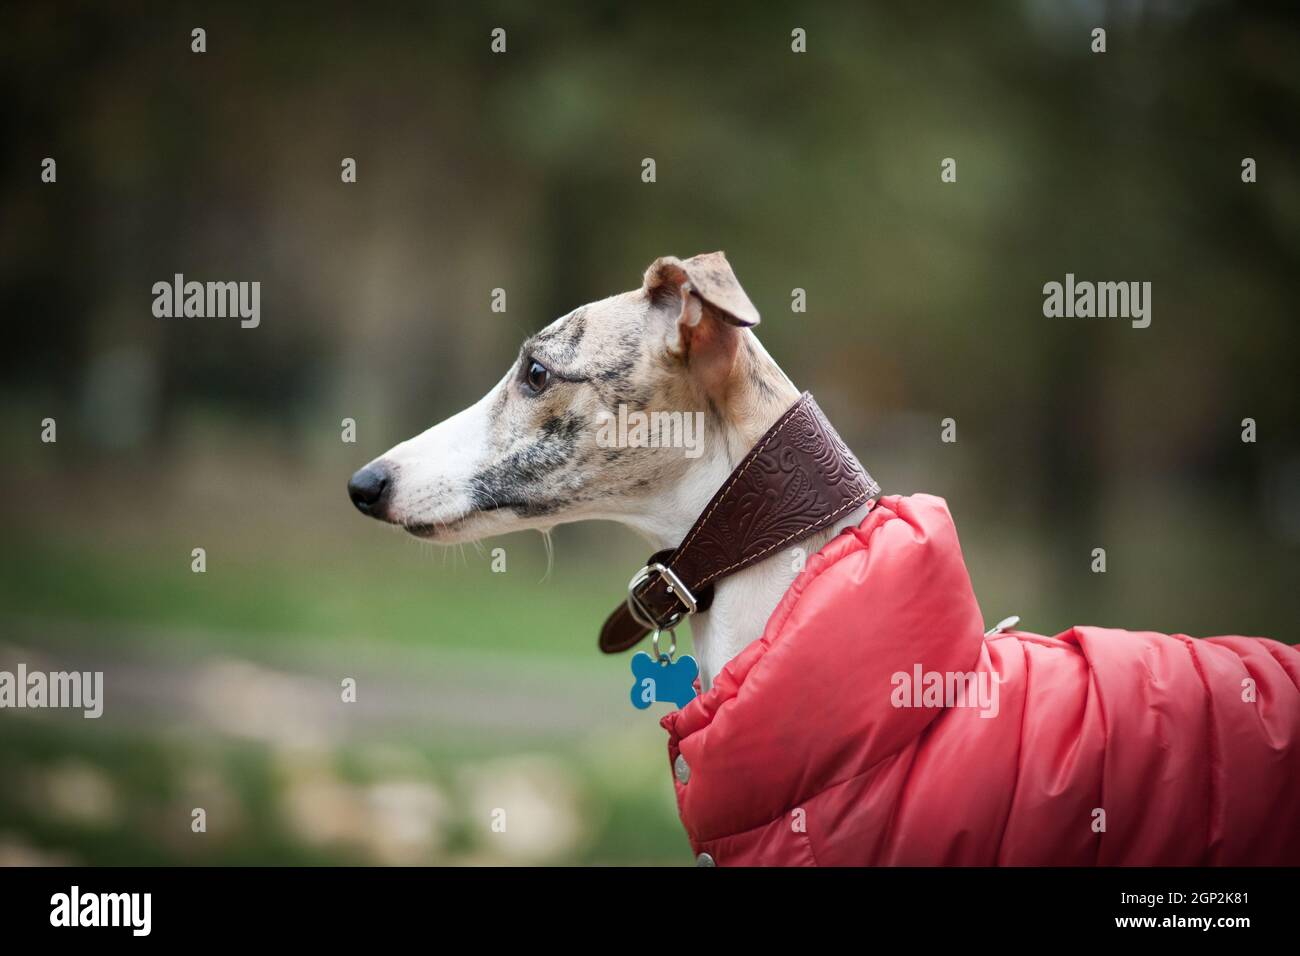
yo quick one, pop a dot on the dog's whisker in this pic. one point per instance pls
(550, 553)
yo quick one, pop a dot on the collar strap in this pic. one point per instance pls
(800, 478)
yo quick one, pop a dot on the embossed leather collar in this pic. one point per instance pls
(798, 479)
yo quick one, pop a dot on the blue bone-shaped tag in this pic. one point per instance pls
(663, 679)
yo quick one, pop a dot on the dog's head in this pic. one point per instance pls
(561, 437)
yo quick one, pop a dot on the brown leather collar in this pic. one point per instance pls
(798, 479)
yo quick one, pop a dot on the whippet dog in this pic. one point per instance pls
(527, 454)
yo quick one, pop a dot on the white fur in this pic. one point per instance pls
(435, 466)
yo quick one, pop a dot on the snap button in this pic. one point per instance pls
(704, 860)
(682, 769)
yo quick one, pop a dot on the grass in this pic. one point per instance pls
(392, 601)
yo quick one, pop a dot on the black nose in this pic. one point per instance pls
(369, 488)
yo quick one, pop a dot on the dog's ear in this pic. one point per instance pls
(708, 278)
(703, 300)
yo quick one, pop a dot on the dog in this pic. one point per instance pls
(842, 736)
(528, 455)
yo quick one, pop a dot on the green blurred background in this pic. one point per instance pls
(481, 690)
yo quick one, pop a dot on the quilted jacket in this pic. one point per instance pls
(875, 723)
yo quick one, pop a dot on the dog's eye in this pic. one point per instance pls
(537, 377)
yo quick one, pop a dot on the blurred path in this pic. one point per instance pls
(290, 691)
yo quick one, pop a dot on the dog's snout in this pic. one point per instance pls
(370, 490)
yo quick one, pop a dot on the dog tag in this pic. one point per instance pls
(665, 679)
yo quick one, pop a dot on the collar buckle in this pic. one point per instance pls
(642, 612)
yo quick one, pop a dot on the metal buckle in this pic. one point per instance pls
(676, 588)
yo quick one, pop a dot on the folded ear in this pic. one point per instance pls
(709, 278)
(703, 300)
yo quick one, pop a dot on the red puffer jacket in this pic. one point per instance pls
(874, 723)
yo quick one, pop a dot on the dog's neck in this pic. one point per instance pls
(744, 601)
